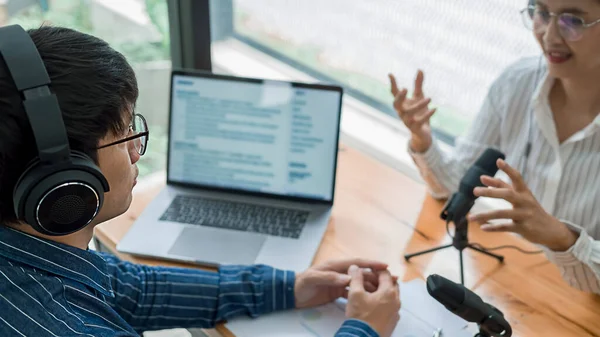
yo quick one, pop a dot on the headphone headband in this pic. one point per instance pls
(61, 191)
(31, 78)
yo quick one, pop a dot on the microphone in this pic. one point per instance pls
(460, 204)
(463, 200)
(467, 305)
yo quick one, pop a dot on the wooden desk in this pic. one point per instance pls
(381, 214)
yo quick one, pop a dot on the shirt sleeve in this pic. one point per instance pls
(356, 328)
(151, 298)
(443, 170)
(580, 264)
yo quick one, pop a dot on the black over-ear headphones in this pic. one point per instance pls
(61, 191)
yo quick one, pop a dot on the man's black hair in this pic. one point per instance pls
(96, 89)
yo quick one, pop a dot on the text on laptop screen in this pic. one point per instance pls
(259, 136)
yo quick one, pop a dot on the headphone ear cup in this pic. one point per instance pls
(62, 191)
(61, 200)
(83, 161)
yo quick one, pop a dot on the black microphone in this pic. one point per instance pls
(467, 305)
(463, 200)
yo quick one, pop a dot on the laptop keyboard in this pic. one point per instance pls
(269, 220)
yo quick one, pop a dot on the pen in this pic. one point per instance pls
(437, 333)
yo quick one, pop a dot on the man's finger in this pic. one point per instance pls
(513, 174)
(332, 278)
(369, 276)
(385, 280)
(507, 194)
(341, 266)
(418, 93)
(373, 277)
(370, 287)
(394, 85)
(328, 278)
(356, 283)
(494, 182)
(504, 227)
(512, 214)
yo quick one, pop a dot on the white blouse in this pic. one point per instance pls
(565, 178)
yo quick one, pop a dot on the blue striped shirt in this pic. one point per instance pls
(51, 289)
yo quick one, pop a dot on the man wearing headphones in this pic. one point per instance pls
(69, 143)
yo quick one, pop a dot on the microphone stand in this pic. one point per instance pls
(460, 240)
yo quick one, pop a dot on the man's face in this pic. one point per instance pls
(118, 164)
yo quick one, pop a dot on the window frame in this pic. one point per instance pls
(190, 34)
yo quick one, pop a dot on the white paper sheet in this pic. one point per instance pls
(420, 315)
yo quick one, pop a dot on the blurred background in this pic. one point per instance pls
(462, 45)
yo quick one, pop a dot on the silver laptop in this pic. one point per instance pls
(250, 173)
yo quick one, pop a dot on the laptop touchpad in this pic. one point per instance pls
(218, 246)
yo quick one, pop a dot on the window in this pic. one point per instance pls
(146, 46)
(462, 46)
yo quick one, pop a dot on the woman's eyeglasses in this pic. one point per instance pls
(570, 26)
(139, 134)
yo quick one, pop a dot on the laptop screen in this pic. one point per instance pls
(271, 137)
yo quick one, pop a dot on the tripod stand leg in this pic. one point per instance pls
(500, 258)
(410, 256)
